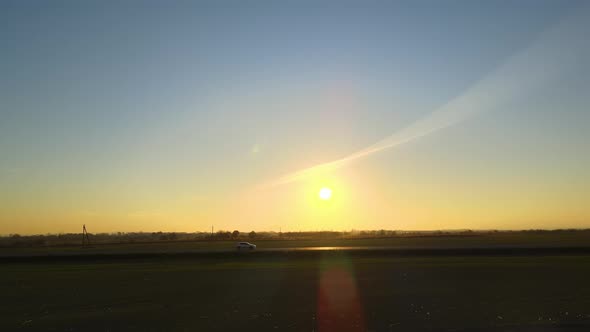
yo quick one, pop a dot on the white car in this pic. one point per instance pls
(245, 245)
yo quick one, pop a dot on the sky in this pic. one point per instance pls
(182, 115)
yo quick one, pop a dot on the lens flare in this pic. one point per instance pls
(339, 307)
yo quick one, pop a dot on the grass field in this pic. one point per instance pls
(326, 291)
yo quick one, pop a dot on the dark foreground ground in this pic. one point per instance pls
(290, 291)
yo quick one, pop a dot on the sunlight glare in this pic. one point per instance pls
(325, 193)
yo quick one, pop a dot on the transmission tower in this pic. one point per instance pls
(85, 238)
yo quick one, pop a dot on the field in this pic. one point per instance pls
(298, 291)
(563, 239)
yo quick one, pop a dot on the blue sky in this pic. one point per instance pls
(111, 108)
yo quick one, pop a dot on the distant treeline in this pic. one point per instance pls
(68, 239)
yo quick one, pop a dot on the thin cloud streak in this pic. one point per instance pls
(548, 56)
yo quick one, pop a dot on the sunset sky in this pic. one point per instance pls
(179, 115)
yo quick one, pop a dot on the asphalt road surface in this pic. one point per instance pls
(368, 251)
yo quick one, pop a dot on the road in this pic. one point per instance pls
(365, 251)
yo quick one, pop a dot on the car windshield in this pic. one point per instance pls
(295, 165)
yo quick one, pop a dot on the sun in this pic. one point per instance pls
(325, 193)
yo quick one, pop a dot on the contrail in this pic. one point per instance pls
(548, 56)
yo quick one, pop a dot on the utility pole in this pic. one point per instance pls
(85, 238)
